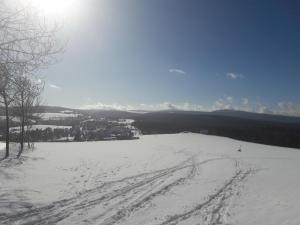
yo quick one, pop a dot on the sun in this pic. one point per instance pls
(56, 8)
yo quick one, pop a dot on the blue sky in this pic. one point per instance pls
(186, 54)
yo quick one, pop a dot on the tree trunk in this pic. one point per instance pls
(22, 126)
(7, 127)
(28, 135)
(21, 138)
(28, 139)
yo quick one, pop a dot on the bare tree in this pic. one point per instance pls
(32, 114)
(28, 43)
(26, 38)
(32, 105)
(27, 99)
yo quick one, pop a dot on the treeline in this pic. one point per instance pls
(27, 44)
(264, 132)
(45, 135)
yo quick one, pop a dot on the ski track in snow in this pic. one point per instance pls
(214, 210)
(116, 200)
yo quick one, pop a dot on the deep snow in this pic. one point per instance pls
(158, 179)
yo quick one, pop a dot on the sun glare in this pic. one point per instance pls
(56, 8)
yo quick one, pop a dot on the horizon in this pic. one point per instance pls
(107, 109)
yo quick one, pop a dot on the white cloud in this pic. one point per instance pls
(245, 101)
(178, 71)
(229, 103)
(234, 76)
(264, 109)
(288, 108)
(221, 104)
(54, 86)
(170, 106)
(229, 99)
(145, 107)
(102, 106)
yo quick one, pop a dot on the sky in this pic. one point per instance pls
(179, 54)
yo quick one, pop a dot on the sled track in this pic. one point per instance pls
(118, 199)
(213, 210)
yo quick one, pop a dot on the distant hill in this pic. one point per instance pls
(257, 116)
(253, 127)
(141, 114)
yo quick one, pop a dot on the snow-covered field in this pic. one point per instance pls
(158, 179)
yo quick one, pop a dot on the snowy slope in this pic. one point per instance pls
(158, 179)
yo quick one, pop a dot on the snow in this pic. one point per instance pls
(158, 179)
(126, 121)
(2, 146)
(57, 116)
(67, 111)
(14, 119)
(40, 127)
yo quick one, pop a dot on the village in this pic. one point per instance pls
(82, 129)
